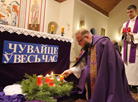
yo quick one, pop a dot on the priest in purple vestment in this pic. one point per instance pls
(130, 47)
(100, 70)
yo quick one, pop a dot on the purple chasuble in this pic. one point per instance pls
(110, 83)
(133, 46)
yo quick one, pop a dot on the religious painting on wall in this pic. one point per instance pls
(82, 23)
(34, 15)
(102, 32)
(9, 12)
(119, 31)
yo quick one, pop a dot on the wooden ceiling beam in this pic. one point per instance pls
(107, 5)
(60, 1)
(88, 2)
(103, 7)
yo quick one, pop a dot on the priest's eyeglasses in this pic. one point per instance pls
(81, 39)
(130, 12)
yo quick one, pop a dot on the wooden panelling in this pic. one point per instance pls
(106, 5)
(88, 2)
(103, 6)
(60, 1)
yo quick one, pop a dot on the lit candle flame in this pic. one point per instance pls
(47, 75)
(52, 73)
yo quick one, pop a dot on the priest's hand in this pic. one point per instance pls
(130, 34)
(124, 33)
(66, 73)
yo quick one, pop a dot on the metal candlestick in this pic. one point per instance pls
(62, 34)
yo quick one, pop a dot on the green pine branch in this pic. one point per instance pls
(44, 92)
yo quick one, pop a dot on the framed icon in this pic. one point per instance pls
(102, 32)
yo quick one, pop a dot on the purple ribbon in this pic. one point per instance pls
(124, 56)
(133, 46)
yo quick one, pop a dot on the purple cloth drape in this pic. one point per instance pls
(11, 73)
(21, 98)
(13, 98)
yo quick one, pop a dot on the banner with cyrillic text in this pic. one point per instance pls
(21, 52)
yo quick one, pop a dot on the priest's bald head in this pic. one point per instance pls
(84, 38)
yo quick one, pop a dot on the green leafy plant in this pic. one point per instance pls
(44, 93)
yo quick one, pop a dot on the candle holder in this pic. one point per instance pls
(124, 30)
(62, 34)
(52, 32)
(129, 29)
(61, 79)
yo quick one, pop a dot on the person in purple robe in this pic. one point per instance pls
(130, 47)
(100, 70)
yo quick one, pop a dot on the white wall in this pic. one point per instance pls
(117, 17)
(22, 13)
(66, 17)
(62, 14)
(52, 13)
(92, 18)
